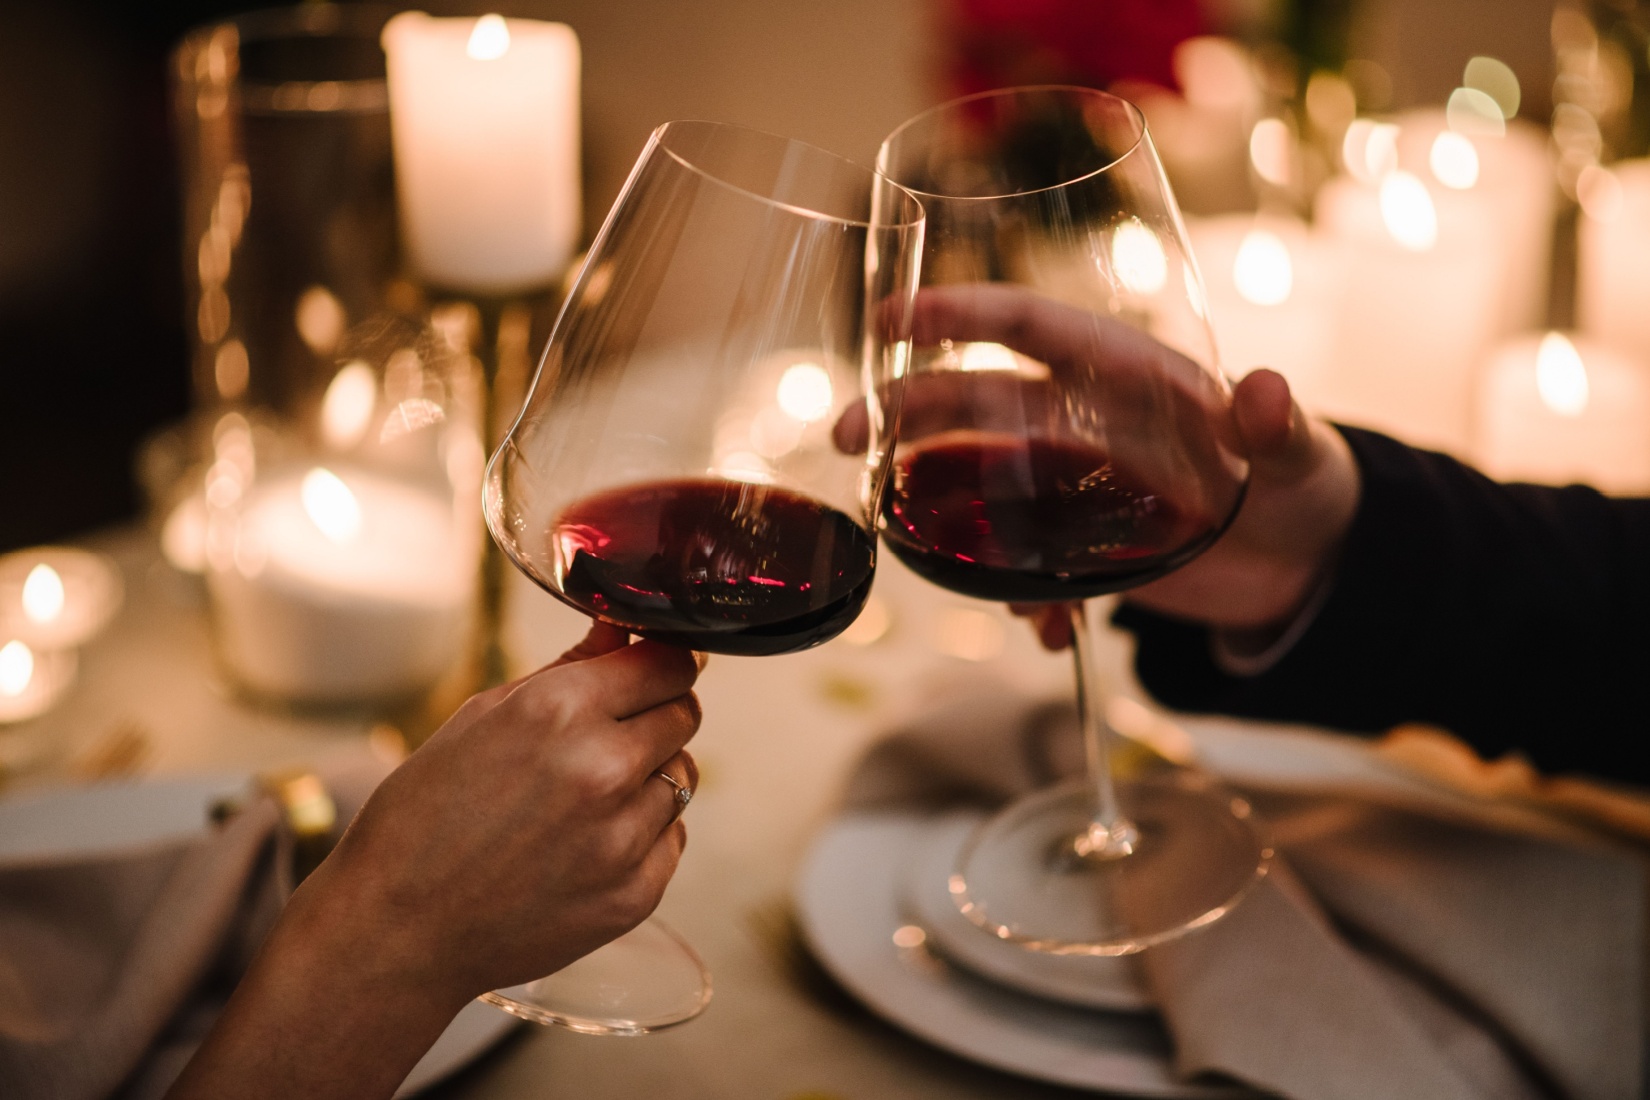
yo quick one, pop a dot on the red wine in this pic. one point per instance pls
(721, 566)
(1026, 519)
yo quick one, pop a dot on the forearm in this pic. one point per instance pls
(1512, 615)
(331, 1008)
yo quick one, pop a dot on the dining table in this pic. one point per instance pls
(780, 737)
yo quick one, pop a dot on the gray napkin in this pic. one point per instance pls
(114, 965)
(1398, 948)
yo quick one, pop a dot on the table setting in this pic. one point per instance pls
(859, 435)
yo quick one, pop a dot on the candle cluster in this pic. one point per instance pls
(53, 600)
(1414, 300)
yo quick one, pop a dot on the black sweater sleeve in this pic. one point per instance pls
(1516, 616)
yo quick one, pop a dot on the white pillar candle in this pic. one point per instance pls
(31, 682)
(56, 598)
(1556, 409)
(485, 119)
(1419, 308)
(1613, 260)
(1274, 295)
(1511, 175)
(333, 588)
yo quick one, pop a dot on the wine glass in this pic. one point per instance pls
(1065, 434)
(673, 471)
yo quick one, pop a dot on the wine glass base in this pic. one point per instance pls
(1020, 877)
(646, 980)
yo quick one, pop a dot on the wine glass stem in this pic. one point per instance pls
(1110, 834)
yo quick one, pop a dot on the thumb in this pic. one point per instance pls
(601, 638)
(1275, 430)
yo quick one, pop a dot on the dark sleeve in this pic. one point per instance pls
(1516, 616)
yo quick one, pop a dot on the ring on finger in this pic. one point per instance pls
(683, 792)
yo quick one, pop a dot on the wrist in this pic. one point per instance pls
(334, 926)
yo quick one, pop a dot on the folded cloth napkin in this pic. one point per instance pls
(113, 965)
(1401, 946)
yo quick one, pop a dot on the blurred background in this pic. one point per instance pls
(94, 352)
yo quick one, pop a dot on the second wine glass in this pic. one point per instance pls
(674, 471)
(1066, 434)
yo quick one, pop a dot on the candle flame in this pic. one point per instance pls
(16, 668)
(1408, 212)
(1370, 149)
(1263, 271)
(1271, 150)
(43, 594)
(1137, 258)
(1454, 160)
(490, 40)
(1560, 376)
(330, 505)
(805, 392)
(346, 410)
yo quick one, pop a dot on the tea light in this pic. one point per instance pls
(1556, 409)
(484, 114)
(56, 598)
(31, 683)
(340, 587)
(1613, 264)
(1274, 297)
(1420, 306)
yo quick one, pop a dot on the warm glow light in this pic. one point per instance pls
(1599, 193)
(320, 319)
(1408, 212)
(1137, 258)
(43, 594)
(1370, 149)
(1560, 376)
(1271, 150)
(1214, 73)
(1496, 80)
(805, 392)
(744, 466)
(16, 668)
(1262, 271)
(330, 505)
(1454, 160)
(969, 634)
(490, 40)
(1470, 111)
(231, 369)
(346, 410)
(910, 936)
(873, 622)
(774, 433)
(985, 356)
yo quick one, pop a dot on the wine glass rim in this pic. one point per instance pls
(872, 177)
(1133, 111)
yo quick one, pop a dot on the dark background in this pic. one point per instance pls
(92, 343)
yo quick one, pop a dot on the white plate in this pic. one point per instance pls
(1112, 983)
(114, 816)
(848, 900)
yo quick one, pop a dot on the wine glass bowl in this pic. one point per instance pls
(674, 470)
(1066, 434)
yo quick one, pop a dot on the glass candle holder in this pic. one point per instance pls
(289, 197)
(341, 545)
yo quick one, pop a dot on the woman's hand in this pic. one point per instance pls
(526, 833)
